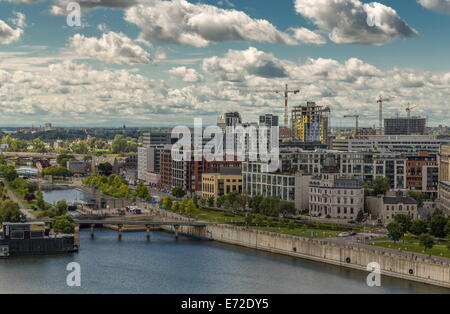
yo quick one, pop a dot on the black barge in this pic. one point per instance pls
(19, 239)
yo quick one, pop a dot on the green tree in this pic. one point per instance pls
(9, 173)
(38, 146)
(427, 241)
(360, 216)
(419, 227)
(64, 224)
(62, 159)
(40, 203)
(405, 221)
(142, 192)
(438, 224)
(255, 203)
(379, 186)
(395, 231)
(56, 171)
(210, 201)
(10, 212)
(105, 169)
(178, 192)
(61, 208)
(167, 202)
(418, 197)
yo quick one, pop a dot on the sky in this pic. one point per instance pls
(165, 62)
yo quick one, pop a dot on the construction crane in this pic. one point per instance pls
(286, 93)
(356, 117)
(380, 102)
(408, 110)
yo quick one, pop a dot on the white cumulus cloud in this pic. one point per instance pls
(442, 6)
(9, 35)
(186, 74)
(199, 25)
(351, 21)
(113, 48)
(307, 36)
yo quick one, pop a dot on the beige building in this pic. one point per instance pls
(334, 196)
(217, 184)
(385, 208)
(444, 163)
(444, 196)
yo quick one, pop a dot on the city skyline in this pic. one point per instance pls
(162, 63)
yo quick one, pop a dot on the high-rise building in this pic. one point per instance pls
(405, 126)
(229, 119)
(310, 123)
(444, 163)
(268, 120)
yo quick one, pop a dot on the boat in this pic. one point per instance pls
(33, 238)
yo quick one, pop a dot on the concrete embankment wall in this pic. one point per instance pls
(392, 264)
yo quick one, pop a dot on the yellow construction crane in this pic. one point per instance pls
(356, 117)
(286, 93)
(380, 102)
(408, 110)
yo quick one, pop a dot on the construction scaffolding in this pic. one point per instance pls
(310, 123)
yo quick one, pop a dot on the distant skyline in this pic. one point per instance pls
(161, 63)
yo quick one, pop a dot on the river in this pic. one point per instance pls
(165, 265)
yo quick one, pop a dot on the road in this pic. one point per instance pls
(22, 207)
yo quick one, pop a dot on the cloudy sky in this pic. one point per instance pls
(161, 62)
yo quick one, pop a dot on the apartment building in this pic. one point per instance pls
(444, 196)
(334, 196)
(395, 143)
(226, 181)
(422, 173)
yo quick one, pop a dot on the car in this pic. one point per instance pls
(353, 233)
(344, 234)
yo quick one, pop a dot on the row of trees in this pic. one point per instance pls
(186, 206)
(436, 226)
(120, 144)
(115, 186)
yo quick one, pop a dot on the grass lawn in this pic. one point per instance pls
(302, 232)
(222, 217)
(411, 244)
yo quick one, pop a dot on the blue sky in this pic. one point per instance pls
(136, 69)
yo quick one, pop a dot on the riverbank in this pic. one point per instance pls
(414, 267)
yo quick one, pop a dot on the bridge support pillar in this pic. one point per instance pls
(177, 229)
(120, 231)
(148, 233)
(92, 231)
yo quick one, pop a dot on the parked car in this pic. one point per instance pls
(344, 234)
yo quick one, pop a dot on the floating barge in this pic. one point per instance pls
(20, 239)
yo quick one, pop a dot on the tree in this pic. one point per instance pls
(38, 146)
(61, 208)
(167, 202)
(40, 203)
(419, 227)
(255, 203)
(210, 201)
(249, 219)
(64, 224)
(142, 192)
(62, 159)
(10, 212)
(360, 216)
(395, 230)
(287, 208)
(405, 221)
(178, 192)
(438, 224)
(105, 169)
(427, 241)
(56, 171)
(447, 228)
(9, 173)
(418, 197)
(379, 186)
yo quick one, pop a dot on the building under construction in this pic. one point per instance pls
(310, 123)
(405, 126)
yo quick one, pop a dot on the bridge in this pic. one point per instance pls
(120, 223)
